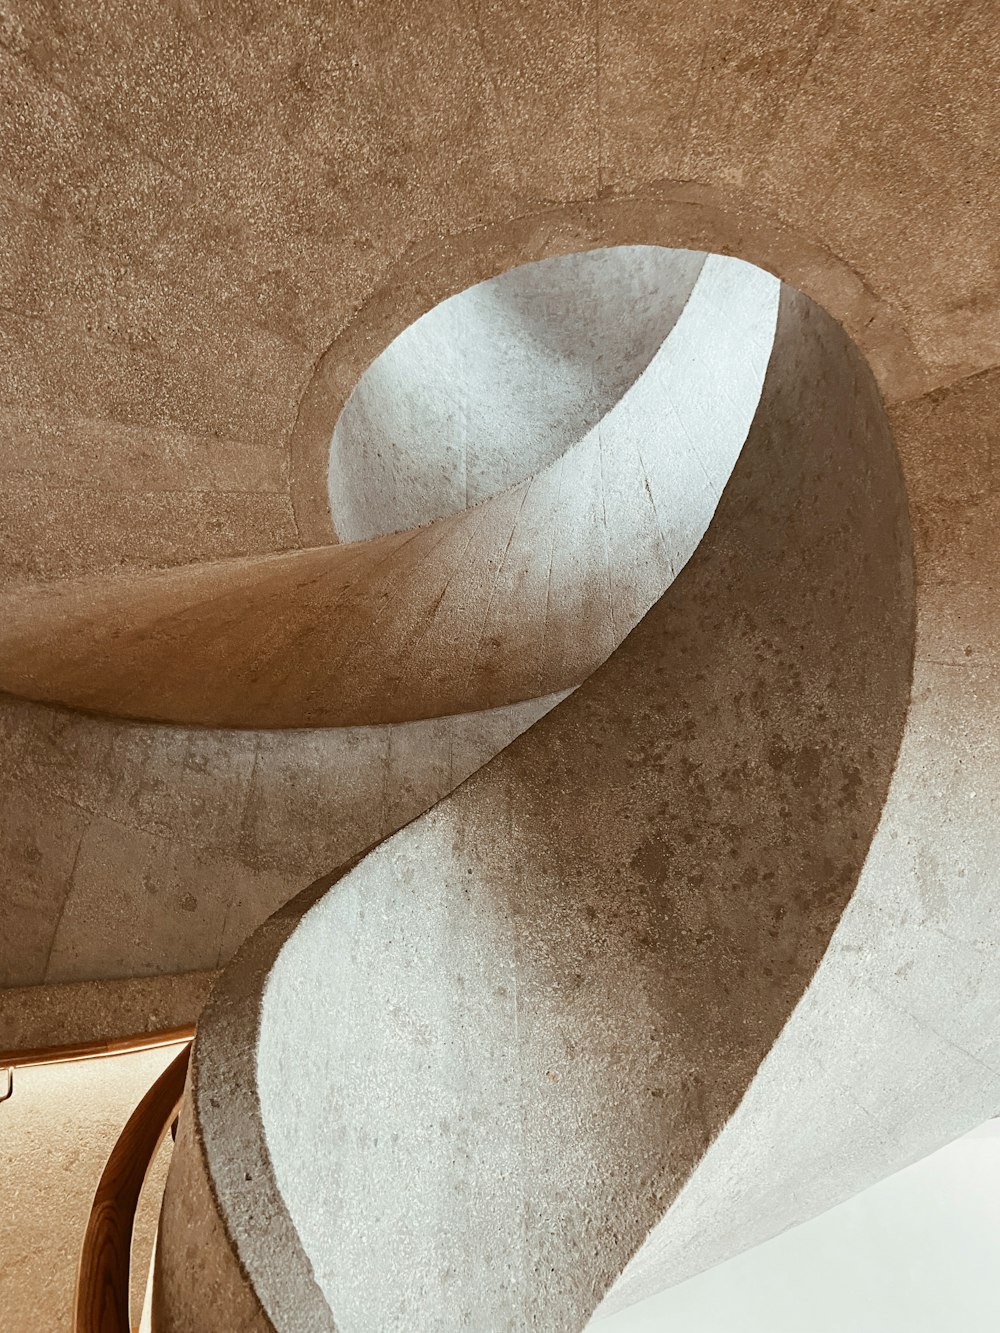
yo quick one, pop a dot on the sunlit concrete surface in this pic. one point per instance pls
(514, 1027)
(917, 1253)
(492, 385)
(56, 1133)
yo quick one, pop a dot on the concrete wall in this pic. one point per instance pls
(490, 1057)
(495, 383)
(517, 597)
(215, 220)
(139, 849)
(133, 850)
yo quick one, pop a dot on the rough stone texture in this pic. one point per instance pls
(73, 1013)
(214, 217)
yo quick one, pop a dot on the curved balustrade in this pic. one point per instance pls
(465, 1080)
(710, 946)
(102, 1293)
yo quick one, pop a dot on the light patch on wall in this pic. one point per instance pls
(56, 1133)
(916, 1253)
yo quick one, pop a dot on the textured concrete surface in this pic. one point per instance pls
(215, 219)
(497, 382)
(133, 827)
(133, 850)
(901, 1014)
(691, 442)
(487, 969)
(77, 1012)
(251, 1260)
(516, 597)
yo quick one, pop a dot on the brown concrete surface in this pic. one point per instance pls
(214, 217)
(472, 611)
(77, 1012)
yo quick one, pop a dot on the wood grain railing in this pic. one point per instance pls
(102, 1289)
(93, 1050)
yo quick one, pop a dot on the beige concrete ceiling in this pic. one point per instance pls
(199, 203)
(215, 217)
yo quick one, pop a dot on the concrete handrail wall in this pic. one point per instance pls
(459, 615)
(216, 217)
(489, 1056)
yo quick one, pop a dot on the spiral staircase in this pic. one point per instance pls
(529, 476)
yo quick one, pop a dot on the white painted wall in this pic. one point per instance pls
(917, 1253)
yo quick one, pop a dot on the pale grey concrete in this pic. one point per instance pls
(492, 385)
(490, 1057)
(137, 850)
(134, 849)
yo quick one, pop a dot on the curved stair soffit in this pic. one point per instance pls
(516, 1026)
(518, 597)
(493, 385)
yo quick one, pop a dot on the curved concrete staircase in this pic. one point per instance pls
(618, 631)
(461, 1083)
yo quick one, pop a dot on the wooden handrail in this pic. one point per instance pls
(94, 1050)
(102, 1287)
